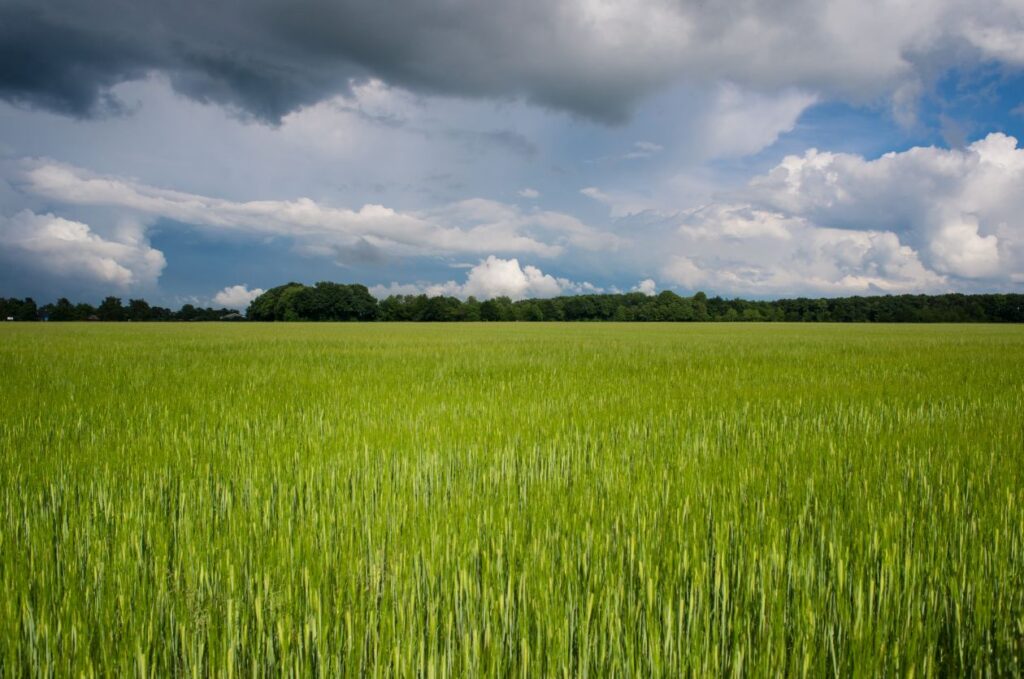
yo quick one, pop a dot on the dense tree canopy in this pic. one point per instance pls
(339, 302)
(321, 302)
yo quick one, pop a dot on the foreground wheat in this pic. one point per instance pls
(495, 500)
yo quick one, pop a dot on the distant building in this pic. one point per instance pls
(232, 317)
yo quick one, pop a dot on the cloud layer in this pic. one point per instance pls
(590, 57)
(372, 231)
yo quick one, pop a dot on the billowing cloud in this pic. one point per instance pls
(768, 254)
(70, 251)
(646, 286)
(237, 296)
(494, 277)
(472, 226)
(589, 57)
(925, 220)
(960, 209)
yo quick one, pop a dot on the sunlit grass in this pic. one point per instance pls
(530, 500)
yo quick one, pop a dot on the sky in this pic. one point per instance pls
(204, 151)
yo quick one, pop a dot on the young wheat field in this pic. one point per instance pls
(511, 500)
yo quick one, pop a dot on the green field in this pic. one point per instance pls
(511, 499)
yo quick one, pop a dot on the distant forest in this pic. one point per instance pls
(340, 302)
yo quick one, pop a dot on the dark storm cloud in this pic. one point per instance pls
(46, 61)
(65, 56)
(592, 57)
(267, 58)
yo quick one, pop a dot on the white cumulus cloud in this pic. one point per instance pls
(809, 259)
(505, 277)
(493, 277)
(921, 220)
(646, 286)
(68, 249)
(237, 296)
(962, 210)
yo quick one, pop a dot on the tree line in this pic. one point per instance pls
(340, 302)
(110, 309)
